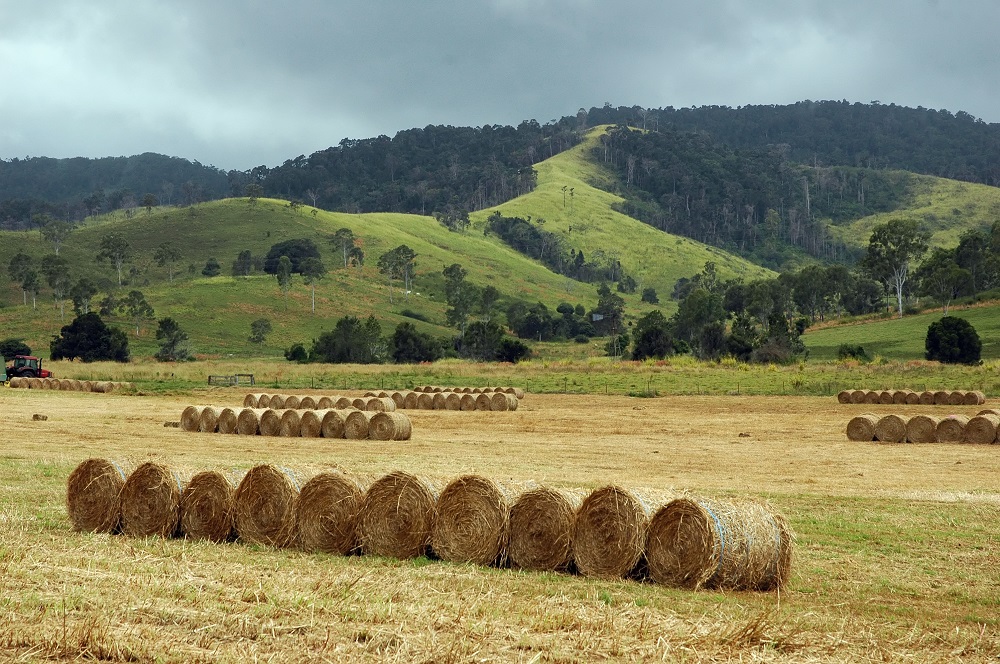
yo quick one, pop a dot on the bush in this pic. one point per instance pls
(581, 338)
(212, 268)
(9, 348)
(953, 340)
(89, 339)
(297, 353)
(649, 295)
(411, 346)
(408, 313)
(852, 352)
(512, 350)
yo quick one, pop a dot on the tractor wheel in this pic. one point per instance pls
(28, 374)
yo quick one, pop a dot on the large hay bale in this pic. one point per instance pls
(872, 396)
(380, 405)
(982, 429)
(862, 427)
(440, 401)
(844, 396)
(357, 424)
(251, 400)
(729, 545)
(483, 401)
(65, 385)
(270, 422)
(425, 401)
(974, 398)
(468, 402)
(891, 429)
(248, 421)
(453, 401)
(472, 524)
(951, 429)
(325, 403)
(858, 396)
(311, 424)
(610, 532)
(989, 411)
(397, 516)
(93, 495)
(333, 423)
(276, 402)
(399, 398)
(927, 398)
(208, 422)
(912, 398)
(541, 529)
(922, 429)
(292, 402)
(207, 507)
(228, 420)
(941, 397)
(191, 418)
(361, 403)
(307, 403)
(389, 426)
(16, 382)
(899, 397)
(88, 386)
(956, 398)
(151, 501)
(264, 506)
(412, 400)
(885, 397)
(344, 403)
(503, 401)
(291, 424)
(516, 391)
(328, 511)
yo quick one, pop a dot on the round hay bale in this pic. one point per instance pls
(307, 403)
(151, 501)
(477, 390)
(325, 403)
(251, 400)
(65, 385)
(483, 402)
(862, 427)
(951, 429)
(922, 429)
(844, 396)
(93, 496)
(209, 420)
(472, 524)
(412, 400)
(927, 398)
(727, 545)
(956, 398)
(292, 402)
(88, 386)
(982, 429)
(440, 401)
(370, 394)
(912, 398)
(941, 397)
(344, 403)
(425, 401)
(111, 386)
(974, 398)
(276, 402)
(264, 506)
(541, 528)
(518, 392)
(885, 397)
(357, 424)
(76, 385)
(311, 424)
(989, 411)
(453, 401)
(468, 402)
(102, 387)
(891, 429)
(191, 418)
(333, 423)
(503, 401)
(610, 532)
(380, 405)
(899, 397)
(207, 507)
(229, 420)
(361, 403)
(47, 384)
(16, 382)
(464, 390)
(270, 422)
(291, 424)
(328, 511)
(397, 516)
(872, 396)
(248, 421)
(436, 389)
(389, 426)
(399, 398)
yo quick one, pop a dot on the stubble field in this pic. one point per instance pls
(897, 556)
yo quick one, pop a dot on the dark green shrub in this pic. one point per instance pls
(581, 338)
(297, 353)
(953, 340)
(9, 348)
(852, 352)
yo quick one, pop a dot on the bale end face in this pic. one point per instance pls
(471, 525)
(397, 516)
(610, 533)
(93, 496)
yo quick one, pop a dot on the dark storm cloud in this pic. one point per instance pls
(239, 84)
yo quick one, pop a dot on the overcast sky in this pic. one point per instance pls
(238, 84)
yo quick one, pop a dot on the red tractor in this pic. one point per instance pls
(27, 366)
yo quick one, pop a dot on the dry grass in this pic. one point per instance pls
(895, 559)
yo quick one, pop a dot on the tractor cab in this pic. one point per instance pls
(28, 366)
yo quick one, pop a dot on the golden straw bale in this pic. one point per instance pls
(264, 505)
(333, 423)
(251, 400)
(209, 420)
(951, 429)
(989, 411)
(65, 384)
(357, 424)
(483, 402)
(370, 394)
(453, 401)
(844, 396)
(380, 404)
(397, 516)
(151, 501)
(922, 429)
(93, 495)
(191, 418)
(425, 401)
(248, 421)
(941, 397)
(956, 398)
(927, 398)
(872, 396)
(862, 427)
(471, 524)
(399, 398)
(974, 398)
(912, 398)
(292, 402)
(328, 511)
(437, 389)
(291, 423)
(885, 397)
(77, 385)
(228, 420)
(307, 403)
(468, 402)
(610, 532)
(49, 384)
(503, 401)
(276, 402)
(412, 400)
(541, 528)
(344, 403)
(88, 386)
(858, 396)
(311, 424)
(899, 397)
(982, 429)
(728, 545)
(891, 429)
(16, 382)
(477, 390)
(464, 390)
(440, 401)
(207, 507)
(389, 426)
(325, 403)
(270, 422)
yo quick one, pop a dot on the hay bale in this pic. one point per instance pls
(361, 403)
(291, 424)
(102, 387)
(472, 524)
(425, 401)
(325, 403)
(440, 401)
(328, 511)
(891, 429)
(912, 398)
(468, 402)
(151, 501)
(453, 401)
(370, 394)
(927, 398)
(941, 397)
(844, 396)
(93, 496)
(333, 423)
(951, 429)
(207, 507)
(248, 421)
(982, 429)
(397, 516)
(899, 397)
(276, 402)
(380, 405)
(229, 420)
(412, 400)
(483, 401)
(344, 403)
(885, 397)
(251, 400)
(872, 396)
(307, 403)
(357, 424)
(88, 386)
(541, 528)
(989, 411)
(65, 385)
(610, 532)
(264, 506)
(727, 545)
(922, 429)
(292, 402)
(111, 386)
(502, 401)
(311, 424)
(270, 422)
(191, 418)
(208, 422)
(399, 398)
(16, 382)
(862, 427)
(956, 398)
(974, 398)
(516, 391)
(389, 426)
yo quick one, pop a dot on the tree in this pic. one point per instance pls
(253, 191)
(88, 338)
(410, 346)
(344, 241)
(953, 340)
(56, 232)
(117, 250)
(284, 275)
(10, 348)
(941, 278)
(259, 329)
(398, 263)
(82, 292)
(649, 295)
(460, 295)
(149, 201)
(697, 310)
(212, 267)
(652, 337)
(482, 341)
(167, 255)
(351, 341)
(56, 271)
(173, 341)
(296, 250)
(312, 270)
(607, 315)
(243, 265)
(20, 268)
(974, 254)
(135, 307)
(892, 248)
